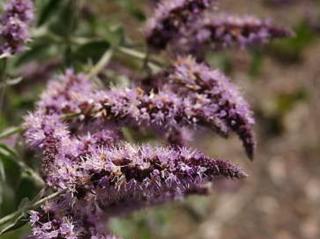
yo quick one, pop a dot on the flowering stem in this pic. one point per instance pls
(14, 215)
(131, 52)
(146, 62)
(45, 199)
(101, 64)
(153, 64)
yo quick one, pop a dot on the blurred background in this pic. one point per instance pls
(281, 197)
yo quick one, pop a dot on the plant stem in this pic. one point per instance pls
(131, 52)
(43, 200)
(34, 175)
(153, 64)
(3, 72)
(105, 59)
(10, 131)
(11, 216)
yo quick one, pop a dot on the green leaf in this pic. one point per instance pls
(91, 51)
(27, 189)
(9, 131)
(133, 8)
(2, 173)
(2, 180)
(48, 10)
(19, 222)
(39, 50)
(115, 35)
(65, 21)
(7, 151)
(12, 169)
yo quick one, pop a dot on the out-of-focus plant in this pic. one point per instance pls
(76, 157)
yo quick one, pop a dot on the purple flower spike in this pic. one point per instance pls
(164, 110)
(60, 151)
(216, 93)
(225, 31)
(49, 135)
(15, 22)
(68, 219)
(100, 175)
(63, 92)
(126, 177)
(171, 17)
(21, 9)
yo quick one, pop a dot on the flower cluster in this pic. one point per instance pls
(14, 29)
(225, 31)
(170, 18)
(193, 95)
(81, 130)
(164, 110)
(200, 83)
(191, 31)
(62, 219)
(77, 129)
(135, 177)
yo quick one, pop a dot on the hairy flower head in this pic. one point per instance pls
(15, 22)
(222, 31)
(171, 17)
(217, 96)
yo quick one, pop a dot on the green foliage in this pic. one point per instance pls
(9, 181)
(133, 8)
(48, 9)
(91, 51)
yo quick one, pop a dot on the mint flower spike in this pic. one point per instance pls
(164, 110)
(61, 151)
(170, 18)
(15, 23)
(102, 176)
(21, 9)
(218, 32)
(213, 91)
(119, 179)
(206, 98)
(63, 91)
(65, 218)
(227, 30)
(125, 178)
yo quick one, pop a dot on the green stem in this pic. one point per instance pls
(3, 72)
(131, 52)
(11, 216)
(10, 131)
(43, 200)
(105, 59)
(151, 63)
(33, 174)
